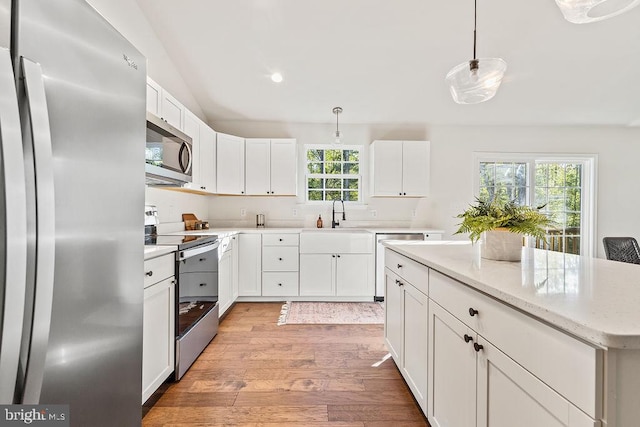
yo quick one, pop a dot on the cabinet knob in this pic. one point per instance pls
(399, 283)
(477, 347)
(279, 284)
(472, 312)
(399, 265)
(404, 194)
(333, 256)
(203, 284)
(467, 338)
(149, 273)
(202, 259)
(400, 193)
(280, 259)
(338, 256)
(280, 240)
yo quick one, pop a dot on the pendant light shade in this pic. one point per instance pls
(337, 135)
(585, 11)
(476, 80)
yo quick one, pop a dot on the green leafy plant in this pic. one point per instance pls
(488, 215)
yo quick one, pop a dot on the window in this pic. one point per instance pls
(561, 184)
(333, 173)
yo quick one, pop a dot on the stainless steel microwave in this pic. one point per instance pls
(168, 154)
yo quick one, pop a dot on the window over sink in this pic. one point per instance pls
(333, 173)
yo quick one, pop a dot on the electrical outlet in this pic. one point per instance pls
(374, 213)
(243, 212)
(294, 212)
(414, 213)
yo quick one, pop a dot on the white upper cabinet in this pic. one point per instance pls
(162, 104)
(230, 164)
(400, 168)
(204, 154)
(270, 166)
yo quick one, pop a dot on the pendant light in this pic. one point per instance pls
(477, 80)
(337, 135)
(585, 11)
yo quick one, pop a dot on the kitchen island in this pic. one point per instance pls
(552, 340)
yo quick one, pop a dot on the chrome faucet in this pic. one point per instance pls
(335, 223)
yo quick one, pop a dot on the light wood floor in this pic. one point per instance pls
(255, 373)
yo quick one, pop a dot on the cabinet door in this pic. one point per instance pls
(154, 94)
(387, 168)
(158, 335)
(283, 167)
(414, 366)
(354, 275)
(192, 128)
(250, 258)
(531, 402)
(257, 166)
(172, 110)
(230, 164)
(415, 168)
(451, 371)
(317, 275)
(207, 159)
(393, 295)
(224, 282)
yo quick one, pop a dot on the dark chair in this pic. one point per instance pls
(623, 249)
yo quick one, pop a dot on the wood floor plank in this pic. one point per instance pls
(257, 374)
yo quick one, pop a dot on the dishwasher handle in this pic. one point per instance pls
(189, 253)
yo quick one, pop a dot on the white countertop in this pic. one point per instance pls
(594, 299)
(387, 230)
(156, 251)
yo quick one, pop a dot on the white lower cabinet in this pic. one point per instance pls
(406, 316)
(227, 273)
(250, 258)
(486, 364)
(158, 331)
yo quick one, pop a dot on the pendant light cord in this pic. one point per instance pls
(475, 21)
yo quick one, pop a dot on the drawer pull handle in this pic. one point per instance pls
(280, 240)
(202, 259)
(467, 338)
(399, 283)
(399, 265)
(477, 347)
(149, 273)
(280, 259)
(279, 284)
(472, 312)
(203, 284)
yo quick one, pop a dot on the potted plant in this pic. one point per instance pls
(503, 224)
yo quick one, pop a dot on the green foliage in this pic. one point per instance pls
(488, 215)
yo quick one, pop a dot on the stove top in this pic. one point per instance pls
(182, 242)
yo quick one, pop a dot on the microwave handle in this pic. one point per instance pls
(185, 145)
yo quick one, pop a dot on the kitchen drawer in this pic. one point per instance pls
(279, 284)
(200, 263)
(568, 365)
(285, 239)
(409, 270)
(283, 258)
(198, 285)
(158, 269)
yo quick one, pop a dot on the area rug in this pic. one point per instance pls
(319, 313)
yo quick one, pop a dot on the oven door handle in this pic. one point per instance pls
(188, 253)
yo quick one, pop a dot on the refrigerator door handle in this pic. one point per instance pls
(15, 230)
(45, 225)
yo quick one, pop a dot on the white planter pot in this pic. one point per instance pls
(501, 245)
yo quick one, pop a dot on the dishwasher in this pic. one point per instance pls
(380, 257)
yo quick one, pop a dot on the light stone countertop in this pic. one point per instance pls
(156, 251)
(386, 230)
(594, 299)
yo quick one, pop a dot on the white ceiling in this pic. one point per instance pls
(385, 61)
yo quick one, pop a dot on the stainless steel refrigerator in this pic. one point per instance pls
(72, 137)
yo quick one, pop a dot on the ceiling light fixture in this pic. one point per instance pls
(276, 77)
(337, 135)
(477, 80)
(585, 11)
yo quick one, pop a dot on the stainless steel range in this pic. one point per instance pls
(197, 293)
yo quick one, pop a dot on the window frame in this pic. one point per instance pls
(589, 195)
(358, 177)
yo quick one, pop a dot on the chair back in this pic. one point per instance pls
(623, 249)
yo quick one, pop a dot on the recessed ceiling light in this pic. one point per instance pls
(276, 77)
